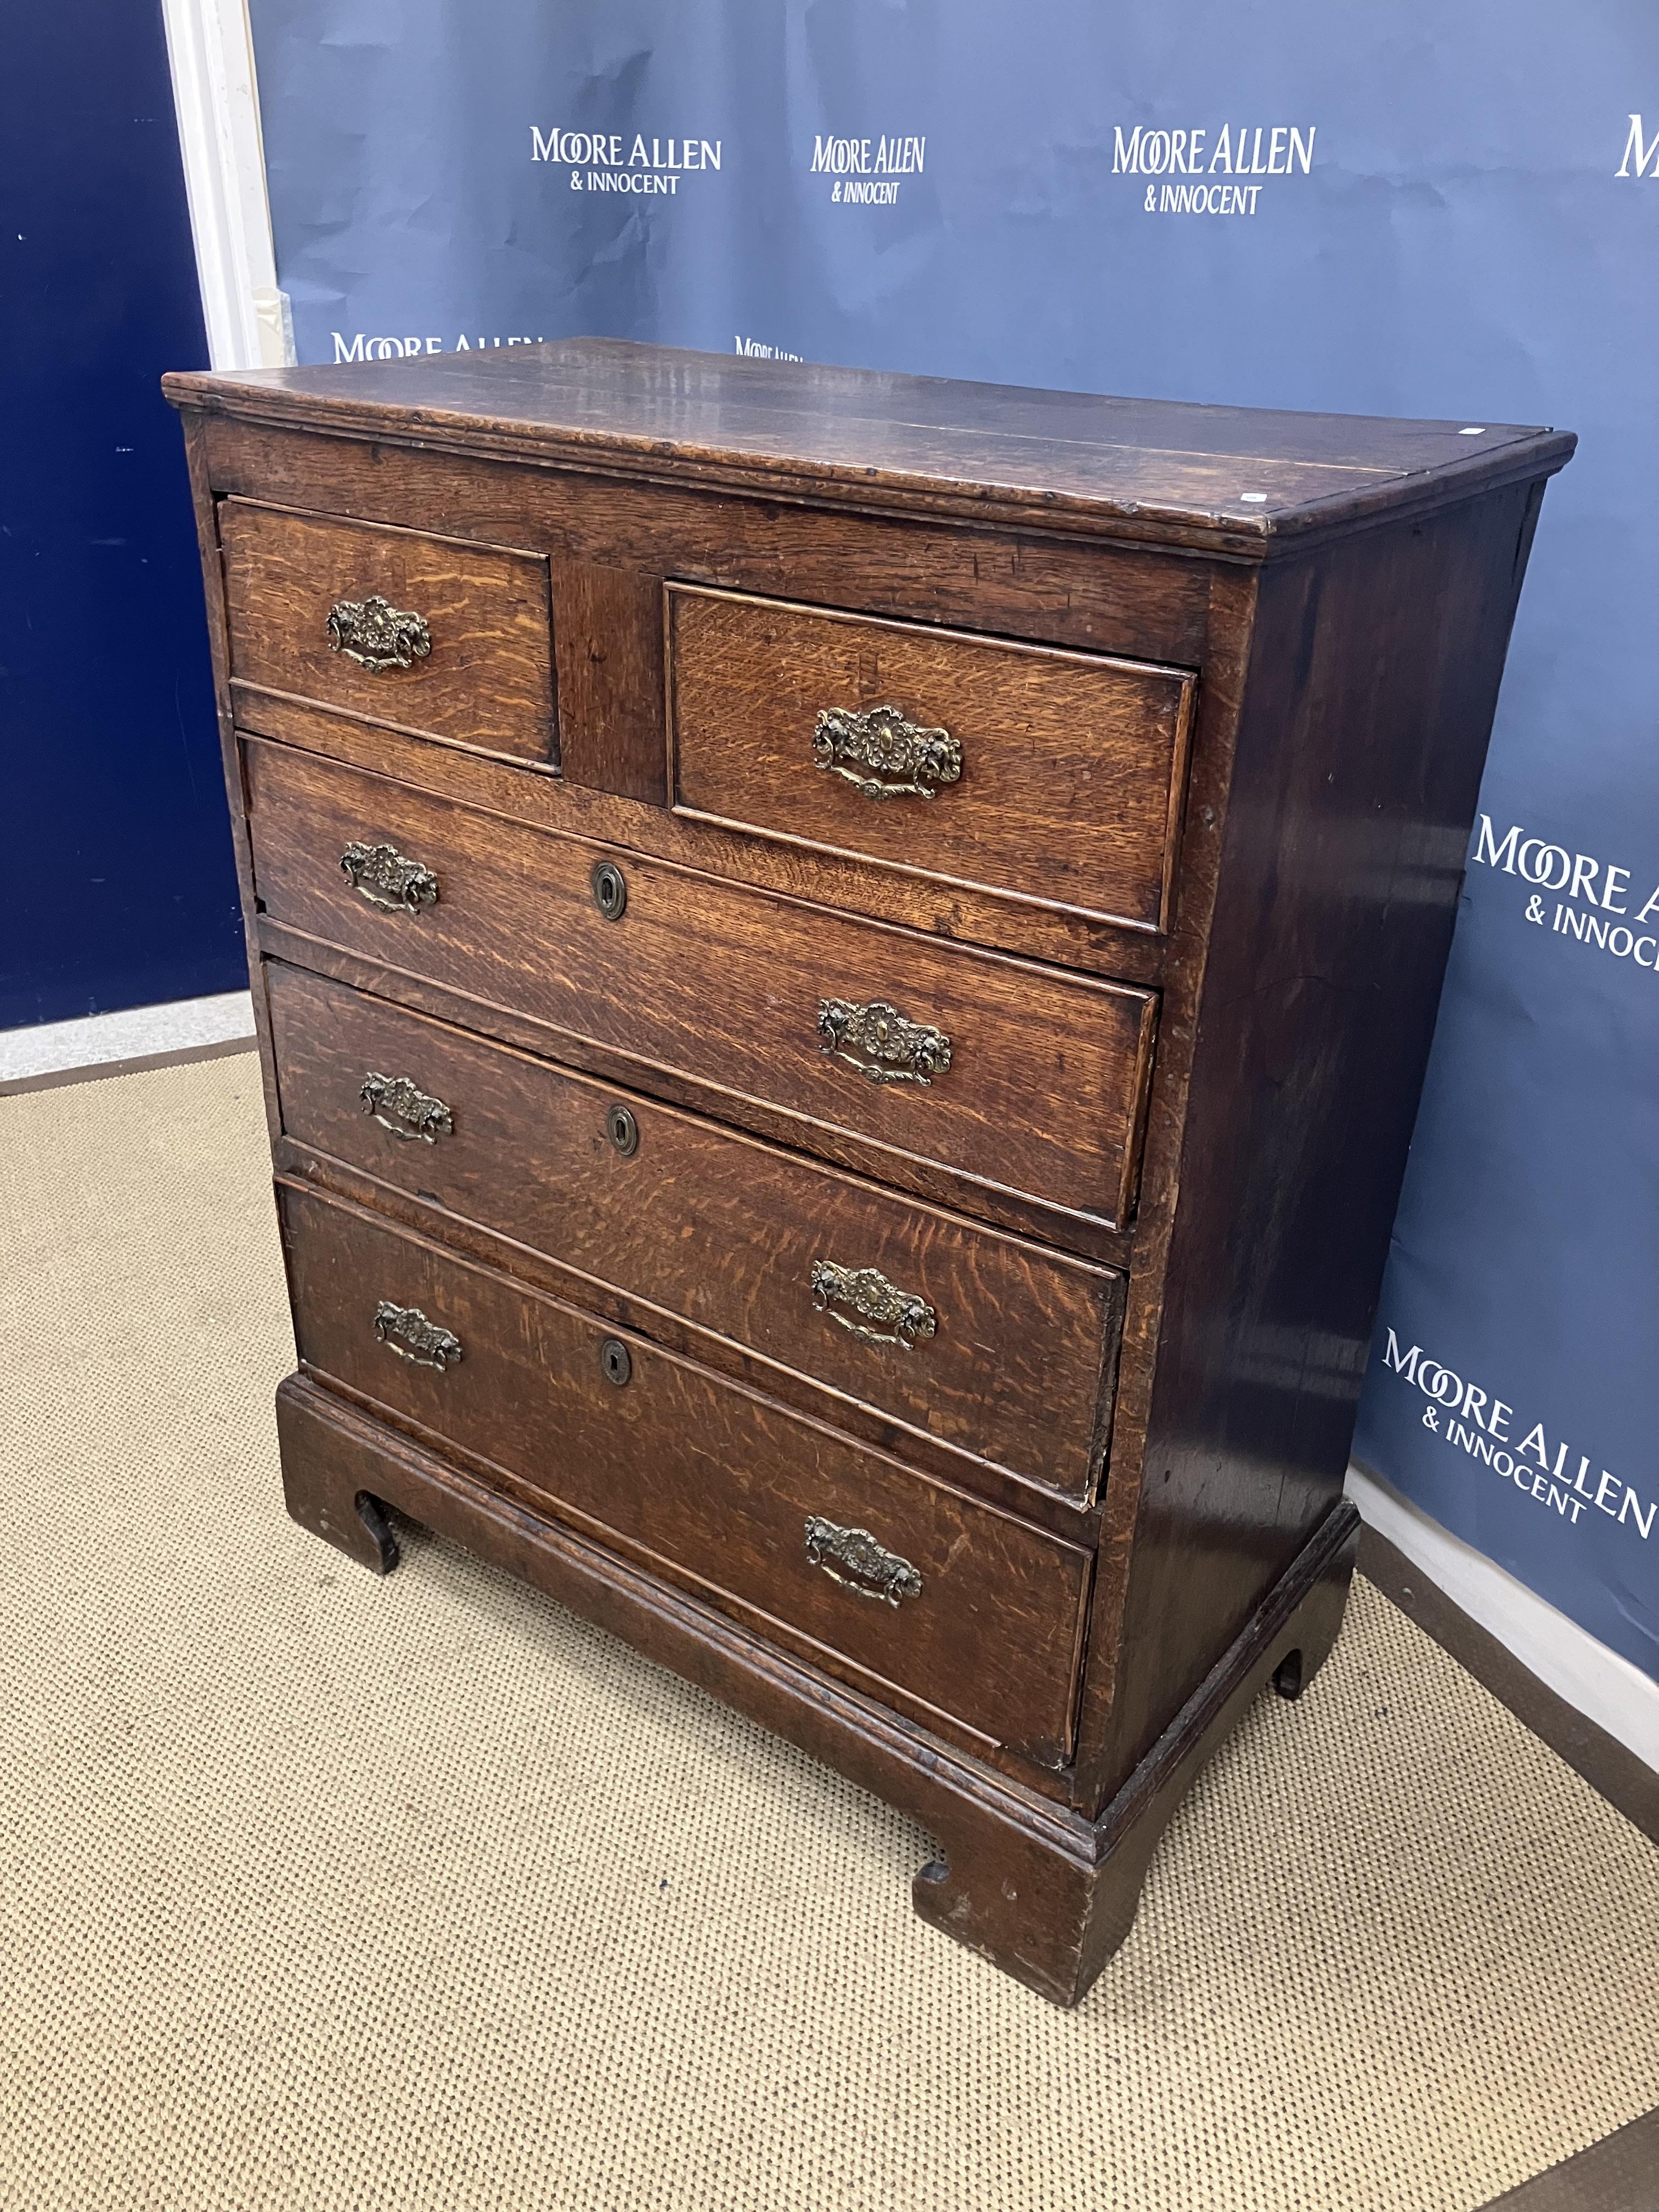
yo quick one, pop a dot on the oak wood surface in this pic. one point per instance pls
(1340, 638)
(488, 680)
(1026, 1882)
(199, 465)
(1365, 711)
(1220, 699)
(1028, 583)
(951, 911)
(710, 1483)
(1075, 1233)
(1069, 767)
(1074, 1520)
(612, 544)
(609, 634)
(725, 984)
(1054, 1925)
(1157, 469)
(717, 1229)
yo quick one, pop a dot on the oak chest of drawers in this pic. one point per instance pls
(844, 966)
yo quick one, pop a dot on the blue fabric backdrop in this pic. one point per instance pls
(1443, 208)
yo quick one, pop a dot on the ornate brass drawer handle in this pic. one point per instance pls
(853, 1558)
(895, 1050)
(380, 874)
(376, 635)
(877, 1310)
(397, 1104)
(881, 755)
(406, 1331)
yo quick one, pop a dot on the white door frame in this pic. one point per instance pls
(217, 99)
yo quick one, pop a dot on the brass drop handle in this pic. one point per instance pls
(406, 1331)
(862, 1301)
(853, 1558)
(881, 1043)
(883, 756)
(398, 1104)
(378, 635)
(388, 879)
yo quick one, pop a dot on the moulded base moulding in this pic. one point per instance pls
(1045, 1893)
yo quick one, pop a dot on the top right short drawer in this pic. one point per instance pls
(1041, 774)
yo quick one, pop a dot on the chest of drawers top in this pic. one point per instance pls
(1242, 481)
(844, 964)
(690, 581)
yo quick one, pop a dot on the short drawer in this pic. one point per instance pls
(984, 1342)
(901, 1582)
(435, 634)
(1022, 1079)
(1050, 775)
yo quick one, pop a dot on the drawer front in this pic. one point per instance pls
(983, 1342)
(960, 1606)
(1020, 1077)
(1055, 776)
(449, 639)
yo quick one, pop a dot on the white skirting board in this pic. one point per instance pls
(140, 1031)
(1565, 1658)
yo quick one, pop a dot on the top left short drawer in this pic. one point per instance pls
(439, 635)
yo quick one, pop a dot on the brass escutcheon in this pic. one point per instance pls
(609, 889)
(622, 1130)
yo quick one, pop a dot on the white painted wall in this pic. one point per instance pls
(215, 95)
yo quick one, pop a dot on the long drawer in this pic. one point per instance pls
(902, 1584)
(1022, 1079)
(1055, 776)
(983, 1342)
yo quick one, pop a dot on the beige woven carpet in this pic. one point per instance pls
(322, 1892)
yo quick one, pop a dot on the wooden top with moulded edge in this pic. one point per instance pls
(1238, 482)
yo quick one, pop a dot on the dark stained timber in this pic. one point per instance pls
(843, 965)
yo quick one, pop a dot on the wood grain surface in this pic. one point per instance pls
(612, 544)
(951, 911)
(717, 1229)
(1043, 1092)
(1071, 766)
(1156, 470)
(712, 1483)
(1250, 842)
(1021, 1878)
(1029, 582)
(608, 630)
(488, 681)
(1362, 735)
